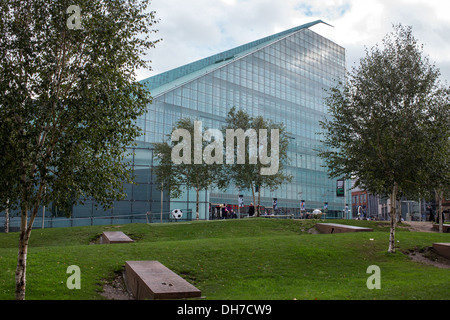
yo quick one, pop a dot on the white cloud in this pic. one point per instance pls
(195, 29)
(367, 22)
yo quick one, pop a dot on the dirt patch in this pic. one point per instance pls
(117, 289)
(429, 256)
(313, 230)
(96, 239)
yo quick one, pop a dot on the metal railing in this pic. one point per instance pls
(148, 217)
(56, 222)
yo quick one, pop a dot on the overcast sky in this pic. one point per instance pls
(195, 29)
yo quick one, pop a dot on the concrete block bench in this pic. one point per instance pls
(339, 228)
(114, 237)
(443, 249)
(152, 280)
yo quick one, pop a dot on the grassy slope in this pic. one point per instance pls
(233, 259)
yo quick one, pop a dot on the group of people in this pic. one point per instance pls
(227, 212)
(251, 210)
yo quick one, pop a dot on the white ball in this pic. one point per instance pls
(177, 214)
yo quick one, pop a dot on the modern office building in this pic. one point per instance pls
(282, 77)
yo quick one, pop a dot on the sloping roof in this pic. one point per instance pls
(165, 81)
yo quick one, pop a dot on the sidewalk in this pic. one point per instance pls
(420, 226)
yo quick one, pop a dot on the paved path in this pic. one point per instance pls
(420, 226)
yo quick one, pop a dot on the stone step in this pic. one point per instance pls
(152, 280)
(109, 237)
(339, 228)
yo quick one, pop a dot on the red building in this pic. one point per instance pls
(360, 199)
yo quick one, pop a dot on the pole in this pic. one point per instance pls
(409, 212)
(239, 210)
(345, 200)
(43, 213)
(420, 209)
(162, 195)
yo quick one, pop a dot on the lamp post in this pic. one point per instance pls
(43, 212)
(299, 199)
(162, 196)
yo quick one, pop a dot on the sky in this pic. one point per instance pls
(195, 29)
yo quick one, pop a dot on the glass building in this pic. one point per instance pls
(282, 77)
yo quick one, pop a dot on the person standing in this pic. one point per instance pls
(224, 212)
(430, 210)
(251, 210)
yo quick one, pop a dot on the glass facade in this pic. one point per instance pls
(282, 77)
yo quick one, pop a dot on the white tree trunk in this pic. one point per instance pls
(7, 216)
(22, 258)
(258, 212)
(439, 196)
(197, 213)
(25, 232)
(253, 194)
(393, 218)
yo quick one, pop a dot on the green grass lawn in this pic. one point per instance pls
(233, 259)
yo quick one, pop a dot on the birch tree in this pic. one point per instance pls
(181, 161)
(438, 149)
(376, 129)
(68, 103)
(248, 175)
